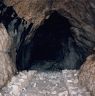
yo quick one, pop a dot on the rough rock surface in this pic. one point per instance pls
(31, 10)
(87, 74)
(7, 67)
(80, 13)
(33, 83)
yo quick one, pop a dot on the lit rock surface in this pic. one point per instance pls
(7, 67)
(87, 74)
(35, 83)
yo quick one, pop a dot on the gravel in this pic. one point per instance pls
(46, 83)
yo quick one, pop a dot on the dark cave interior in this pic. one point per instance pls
(50, 47)
(47, 42)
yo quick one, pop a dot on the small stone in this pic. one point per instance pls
(65, 93)
(73, 93)
(54, 92)
(44, 81)
(75, 81)
(72, 88)
(21, 80)
(69, 81)
(35, 85)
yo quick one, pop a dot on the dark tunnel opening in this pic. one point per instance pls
(47, 42)
(52, 48)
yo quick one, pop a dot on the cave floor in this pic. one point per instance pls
(34, 83)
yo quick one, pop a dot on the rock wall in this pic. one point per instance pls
(80, 14)
(8, 42)
(7, 67)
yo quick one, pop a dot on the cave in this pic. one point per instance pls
(52, 47)
(64, 39)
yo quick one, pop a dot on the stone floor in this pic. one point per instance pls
(34, 83)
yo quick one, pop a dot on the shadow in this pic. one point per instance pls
(50, 43)
(52, 48)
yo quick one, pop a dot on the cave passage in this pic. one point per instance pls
(50, 47)
(48, 40)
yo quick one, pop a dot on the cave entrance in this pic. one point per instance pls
(51, 39)
(49, 49)
(49, 43)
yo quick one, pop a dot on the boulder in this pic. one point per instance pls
(7, 67)
(87, 74)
